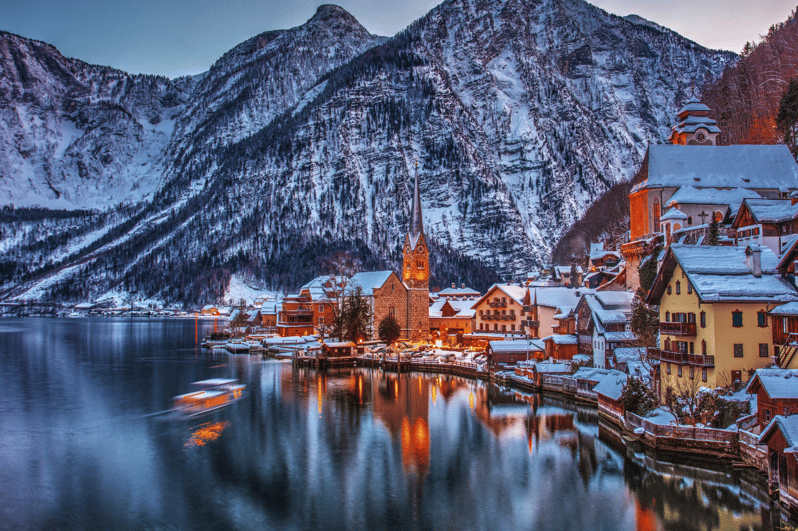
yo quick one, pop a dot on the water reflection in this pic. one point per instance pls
(85, 446)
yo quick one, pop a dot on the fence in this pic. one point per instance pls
(681, 432)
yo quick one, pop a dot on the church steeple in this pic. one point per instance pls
(416, 269)
(416, 222)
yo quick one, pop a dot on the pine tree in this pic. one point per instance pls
(645, 321)
(787, 119)
(712, 238)
(389, 330)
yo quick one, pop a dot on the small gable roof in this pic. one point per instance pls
(778, 383)
(768, 210)
(787, 425)
(611, 386)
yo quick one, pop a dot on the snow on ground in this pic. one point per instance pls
(661, 416)
(241, 289)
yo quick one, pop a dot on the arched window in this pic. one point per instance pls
(703, 347)
(667, 317)
(678, 287)
(689, 220)
(392, 312)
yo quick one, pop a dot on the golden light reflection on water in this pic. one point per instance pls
(205, 433)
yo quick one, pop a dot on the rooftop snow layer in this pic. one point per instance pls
(517, 345)
(368, 281)
(746, 166)
(772, 210)
(778, 383)
(690, 195)
(611, 385)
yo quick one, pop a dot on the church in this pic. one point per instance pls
(405, 298)
(692, 180)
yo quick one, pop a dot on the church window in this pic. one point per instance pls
(656, 211)
(689, 220)
(420, 264)
(392, 312)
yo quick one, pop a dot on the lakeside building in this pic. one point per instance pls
(713, 303)
(310, 310)
(769, 222)
(700, 179)
(604, 324)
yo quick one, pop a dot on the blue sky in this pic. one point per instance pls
(176, 38)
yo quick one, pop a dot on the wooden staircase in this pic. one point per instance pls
(788, 350)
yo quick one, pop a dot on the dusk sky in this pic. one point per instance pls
(175, 38)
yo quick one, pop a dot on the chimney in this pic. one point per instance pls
(753, 254)
(454, 285)
(463, 285)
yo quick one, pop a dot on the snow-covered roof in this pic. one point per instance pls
(459, 292)
(551, 368)
(690, 195)
(788, 426)
(609, 307)
(322, 287)
(562, 339)
(615, 337)
(368, 281)
(339, 344)
(791, 308)
(746, 166)
(778, 383)
(772, 210)
(517, 346)
(567, 269)
(673, 213)
(722, 273)
(693, 105)
(611, 385)
(561, 298)
(598, 255)
(595, 374)
(514, 292)
(464, 308)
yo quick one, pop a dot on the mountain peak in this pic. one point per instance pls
(330, 12)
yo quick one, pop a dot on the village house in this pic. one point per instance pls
(601, 259)
(543, 307)
(504, 354)
(210, 309)
(769, 222)
(714, 304)
(563, 274)
(500, 310)
(451, 317)
(776, 393)
(694, 162)
(784, 322)
(311, 310)
(604, 324)
(781, 438)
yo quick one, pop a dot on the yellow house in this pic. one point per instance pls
(713, 307)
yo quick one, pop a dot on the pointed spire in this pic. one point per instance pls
(416, 223)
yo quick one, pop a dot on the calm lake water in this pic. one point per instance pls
(85, 443)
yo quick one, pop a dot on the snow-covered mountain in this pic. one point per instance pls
(300, 144)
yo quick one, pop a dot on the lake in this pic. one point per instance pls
(87, 442)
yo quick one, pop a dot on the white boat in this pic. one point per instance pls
(210, 395)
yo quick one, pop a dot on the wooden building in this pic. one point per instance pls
(776, 393)
(781, 438)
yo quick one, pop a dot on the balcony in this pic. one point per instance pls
(530, 323)
(510, 317)
(677, 329)
(681, 357)
(497, 304)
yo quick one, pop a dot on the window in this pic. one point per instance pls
(689, 288)
(738, 350)
(392, 312)
(481, 327)
(669, 290)
(321, 308)
(692, 372)
(678, 288)
(763, 350)
(504, 328)
(667, 317)
(667, 368)
(512, 328)
(703, 347)
(704, 374)
(761, 318)
(679, 371)
(737, 318)
(321, 321)
(766, 414)
(420, 264)
(692, 347)
(703, 319)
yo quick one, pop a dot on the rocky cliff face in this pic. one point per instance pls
(300, 144)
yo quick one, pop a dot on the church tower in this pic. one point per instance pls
(695, 127)
(415, 271)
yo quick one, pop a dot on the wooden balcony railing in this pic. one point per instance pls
(677, 329)
(681, 357)
(498, 304)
